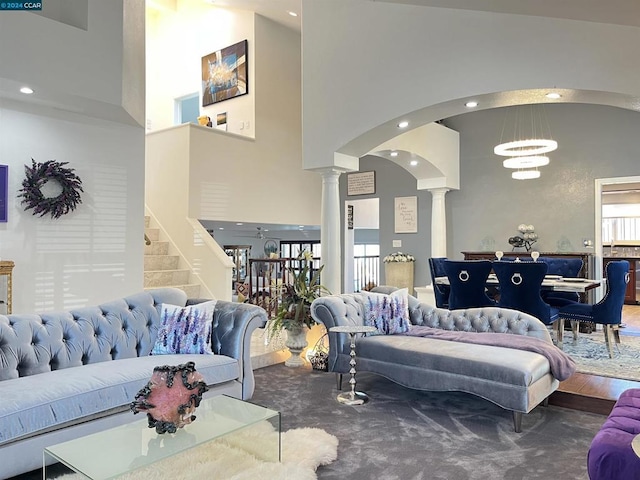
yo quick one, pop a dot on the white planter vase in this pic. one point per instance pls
(296, 342)
(399, 274)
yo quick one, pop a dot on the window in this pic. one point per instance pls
(289, 250)
(366, 266)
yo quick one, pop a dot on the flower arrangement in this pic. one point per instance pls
(294, 310)
(41, 173)
(398, 257)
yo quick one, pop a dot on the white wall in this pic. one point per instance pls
(239, 179)
(168, 184)
(80, 77)
(93, 254)
(74, 69)
(366, 63)
(176, 42)
(234, 177)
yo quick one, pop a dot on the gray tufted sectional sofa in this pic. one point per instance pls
(65, 375)
(516, 380)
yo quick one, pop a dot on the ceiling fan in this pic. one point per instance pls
(260, 235)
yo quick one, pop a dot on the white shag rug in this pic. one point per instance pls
(239, 457)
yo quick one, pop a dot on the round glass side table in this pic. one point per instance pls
(352, 397)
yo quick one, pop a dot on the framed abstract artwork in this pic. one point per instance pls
(225, 74)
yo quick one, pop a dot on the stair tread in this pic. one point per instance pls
(168, 270)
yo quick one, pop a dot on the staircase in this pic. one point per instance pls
(161, 269)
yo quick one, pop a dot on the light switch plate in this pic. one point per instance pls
(397, 243)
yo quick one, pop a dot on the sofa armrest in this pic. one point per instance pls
(233, 325)
(337, 310)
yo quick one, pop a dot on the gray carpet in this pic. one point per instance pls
(407, 434)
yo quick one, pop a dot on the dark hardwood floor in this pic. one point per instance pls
(593, 393)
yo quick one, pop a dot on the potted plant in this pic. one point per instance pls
(294, 312)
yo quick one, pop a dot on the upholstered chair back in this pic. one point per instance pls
(520, 284)
(440, 292)
(566, 267)
(609, 309)
(467, 279)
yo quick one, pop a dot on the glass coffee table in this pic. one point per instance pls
(120, 450)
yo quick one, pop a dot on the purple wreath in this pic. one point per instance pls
(38, 175)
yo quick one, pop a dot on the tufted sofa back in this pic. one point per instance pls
(347, 309)
(124, 328)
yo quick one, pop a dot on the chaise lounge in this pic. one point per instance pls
(517, 380)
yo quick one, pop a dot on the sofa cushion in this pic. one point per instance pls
(185, 329)
(389, 314)
(495, 364)
(38, 402)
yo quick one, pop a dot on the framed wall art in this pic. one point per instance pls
(225, 74)
(4, 190)
(361, 183)
(406, 214)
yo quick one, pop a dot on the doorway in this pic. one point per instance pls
(602, 185)
(361, 244)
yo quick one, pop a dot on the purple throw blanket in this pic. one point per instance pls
(562, 365)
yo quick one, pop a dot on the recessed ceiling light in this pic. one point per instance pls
(26, 90)
(293, 14)
(394, 154)
(221, 228)
(300, 226)
(403, 124)
(554, 95)
(266, 230)
(471, 104)
(239, 223)
(413, 163)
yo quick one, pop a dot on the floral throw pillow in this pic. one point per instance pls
(185, 329)
(389, 314)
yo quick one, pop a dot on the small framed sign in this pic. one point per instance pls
(406, 215)
(361, 183)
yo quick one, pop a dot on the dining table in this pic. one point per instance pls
(551, 282)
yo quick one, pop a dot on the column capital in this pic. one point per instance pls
(438, 191)
(330, 172)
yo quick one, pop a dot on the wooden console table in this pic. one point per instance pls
(6, 269)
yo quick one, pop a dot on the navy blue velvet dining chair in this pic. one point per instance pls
(520, 287)
(565, 267)
(608, 311)
(440, 291)
(467, 279)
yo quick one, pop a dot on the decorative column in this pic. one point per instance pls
(438, 222)
(330, 229)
